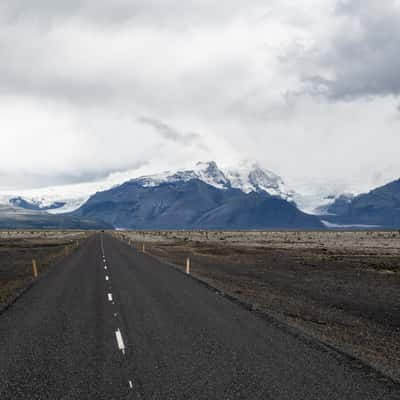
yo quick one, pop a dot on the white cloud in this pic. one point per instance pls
(226, 80)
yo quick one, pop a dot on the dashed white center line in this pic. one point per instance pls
(105, 267)
(131, 384)
(120, 341)
(110, 297)
(107, 278)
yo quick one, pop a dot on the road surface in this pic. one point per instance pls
(111, 323)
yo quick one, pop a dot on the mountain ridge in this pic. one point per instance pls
(338, 209)
(247, 176)
(12, 217)
(378, 207)
(193, 204)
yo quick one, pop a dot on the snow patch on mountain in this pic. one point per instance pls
(251, 177)
(56, 199)
(49, 200)
(247, 177)
(208, 172)
(318, 198)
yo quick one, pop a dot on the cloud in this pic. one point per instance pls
(360, 57)
(168, 132)
(25, 178)
(88, 87)
(160, 13)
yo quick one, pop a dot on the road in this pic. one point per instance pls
(122, 325)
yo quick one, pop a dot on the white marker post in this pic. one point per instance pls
(188, 266)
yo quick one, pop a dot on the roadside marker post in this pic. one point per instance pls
(188, 266)
(143, 248)
(34, 269)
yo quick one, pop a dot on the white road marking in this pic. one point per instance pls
(107, 278)
(110, 297)
(131, 384)
(120, 341)
(105, 267)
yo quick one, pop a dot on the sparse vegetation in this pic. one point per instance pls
(18, 248)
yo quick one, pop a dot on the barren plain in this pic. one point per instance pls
(19, 248)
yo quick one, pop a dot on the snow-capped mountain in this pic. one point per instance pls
(192, 204)
(55, 200)
(207, 172)
(247, 177)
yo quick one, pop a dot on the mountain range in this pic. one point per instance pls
(205, 196)
(247, 176)
(192, 204)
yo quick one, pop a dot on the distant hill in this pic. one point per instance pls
(30, 205)
(19, 218)
(379, 207)
(192, 204)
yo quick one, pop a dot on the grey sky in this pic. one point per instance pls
(362, 57)
(309, 88)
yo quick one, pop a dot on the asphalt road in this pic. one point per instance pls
(128, 327)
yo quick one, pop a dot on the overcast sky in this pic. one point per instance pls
(309, 88)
